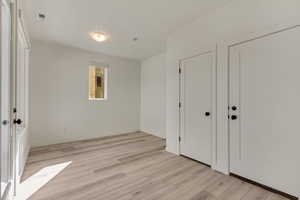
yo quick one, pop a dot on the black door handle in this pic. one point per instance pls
(233, 117)
(5, 122)
(207, 114)
(18, 121)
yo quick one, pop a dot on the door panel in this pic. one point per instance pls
(21, 102)
(264, 85)
(21, 75)
(196, 100)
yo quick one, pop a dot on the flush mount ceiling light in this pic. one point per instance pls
(99, 36)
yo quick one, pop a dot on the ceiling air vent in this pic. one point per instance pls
(41, 16)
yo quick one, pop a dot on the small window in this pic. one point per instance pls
(97, 83)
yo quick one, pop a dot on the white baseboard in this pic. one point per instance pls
(148, 132)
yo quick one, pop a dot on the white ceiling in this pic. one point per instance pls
(68, 22)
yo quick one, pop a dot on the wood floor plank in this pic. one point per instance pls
(257, 194)
(220, 186)
(131, 166)
(237, 191)
(275, 197)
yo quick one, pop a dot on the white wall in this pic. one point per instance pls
(153, 92)
(238, 18)
(60, 109)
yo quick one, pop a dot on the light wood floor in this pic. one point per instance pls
(132, 167)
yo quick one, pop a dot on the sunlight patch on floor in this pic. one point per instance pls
(38, 180)
(3, 186)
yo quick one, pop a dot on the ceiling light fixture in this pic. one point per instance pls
(99, 36)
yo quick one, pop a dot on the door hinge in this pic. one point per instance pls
(14, 110)
(179, 70)
(179, 139)
(179, 104)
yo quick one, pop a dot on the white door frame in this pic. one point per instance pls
(223, 132)
(213, 52)
(8, 190)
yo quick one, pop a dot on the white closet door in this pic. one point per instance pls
(265, 126)
(196, 110)
(22, 99)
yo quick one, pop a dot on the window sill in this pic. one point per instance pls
(97, 99)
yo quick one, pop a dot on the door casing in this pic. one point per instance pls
(14, 54)
(5, 139)
(9, 190)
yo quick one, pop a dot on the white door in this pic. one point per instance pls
(21, 101)
(196, 107)
(264, 125)
(5, 134)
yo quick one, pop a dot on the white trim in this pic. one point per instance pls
(98, 64)
(214, 109)
(97, 99)
(259, 34)
(22, 34)
(22, 30)
(5, 9)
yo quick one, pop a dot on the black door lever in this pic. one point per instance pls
(207, 114)
(18, 121)
(233, 117)
(234, 108)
